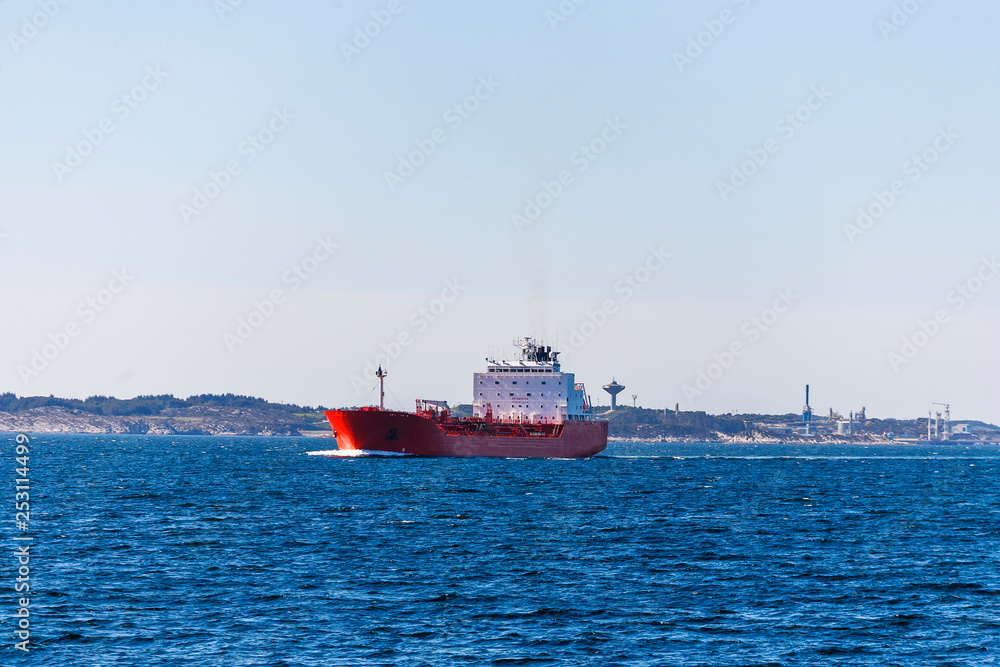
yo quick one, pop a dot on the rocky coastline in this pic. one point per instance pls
(200, 420)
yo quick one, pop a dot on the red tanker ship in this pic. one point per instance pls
(522, 408)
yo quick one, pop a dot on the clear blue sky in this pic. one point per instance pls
(311, 117)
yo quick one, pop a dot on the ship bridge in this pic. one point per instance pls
(532, 356)
(530, 389)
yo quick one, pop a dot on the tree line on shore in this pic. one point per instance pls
(145, 405)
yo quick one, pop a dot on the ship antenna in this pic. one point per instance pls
(380, 374)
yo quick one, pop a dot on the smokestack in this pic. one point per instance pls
(807, 412)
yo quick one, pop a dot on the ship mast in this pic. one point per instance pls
(381, 387)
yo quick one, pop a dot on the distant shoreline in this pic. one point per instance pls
(321, 435)
(230, 415)
(190, 421)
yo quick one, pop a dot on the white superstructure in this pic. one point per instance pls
(529, 390)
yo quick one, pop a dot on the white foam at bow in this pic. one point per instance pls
(350, 453)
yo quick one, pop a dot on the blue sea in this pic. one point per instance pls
(249, 551)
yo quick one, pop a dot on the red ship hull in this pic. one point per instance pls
(408, 433)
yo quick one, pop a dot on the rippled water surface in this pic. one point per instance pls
(248, 551)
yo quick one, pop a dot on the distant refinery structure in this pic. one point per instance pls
(934, 430)
(854, 426)
(939, 427)
(614, 389)
(812, 425)
(807, 416)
